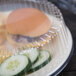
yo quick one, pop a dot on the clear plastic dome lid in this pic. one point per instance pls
(8, 6)
(51, 11)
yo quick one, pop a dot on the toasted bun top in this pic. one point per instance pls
(28, 22)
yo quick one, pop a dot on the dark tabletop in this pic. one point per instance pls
(70, 20)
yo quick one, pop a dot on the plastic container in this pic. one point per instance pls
(56, 40)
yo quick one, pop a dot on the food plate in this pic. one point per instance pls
(60, 47)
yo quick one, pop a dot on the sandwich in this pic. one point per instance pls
(25, 25)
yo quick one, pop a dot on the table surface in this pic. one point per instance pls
(70, 20)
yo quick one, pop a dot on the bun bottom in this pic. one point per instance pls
(2, 36)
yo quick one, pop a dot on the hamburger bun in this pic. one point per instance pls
(27, 22)
(2, 38)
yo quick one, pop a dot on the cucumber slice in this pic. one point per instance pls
(32, 53)
(16, 65)
(42, 61)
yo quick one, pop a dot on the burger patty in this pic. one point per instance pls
(22, 39)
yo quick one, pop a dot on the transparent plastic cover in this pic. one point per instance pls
(57, 23)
